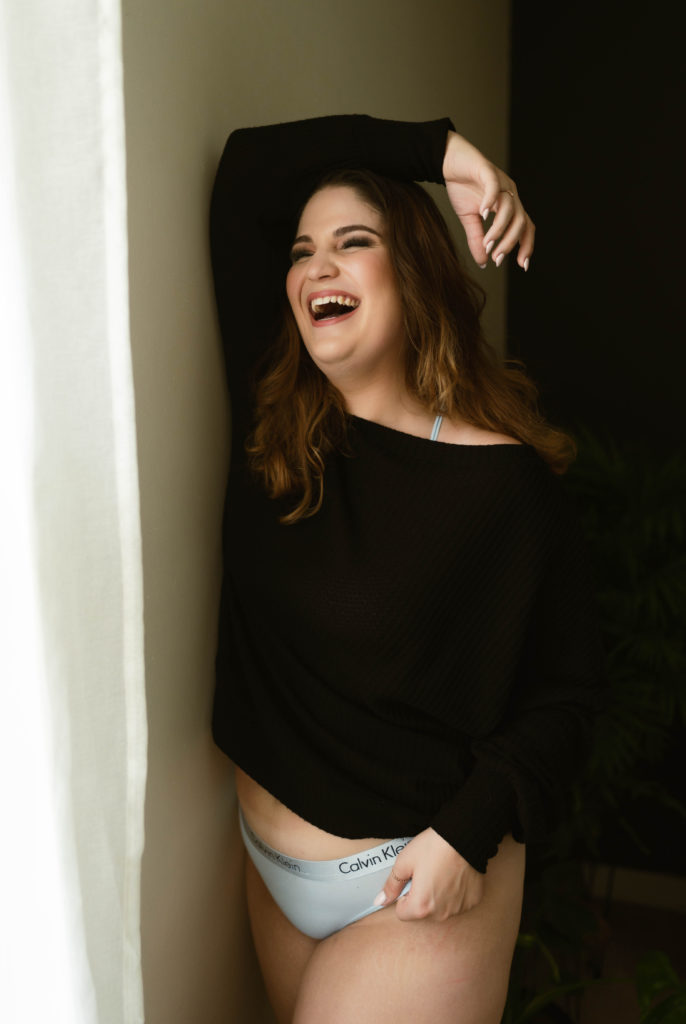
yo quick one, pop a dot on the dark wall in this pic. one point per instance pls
(597, 150)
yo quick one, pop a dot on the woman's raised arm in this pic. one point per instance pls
(266, 174)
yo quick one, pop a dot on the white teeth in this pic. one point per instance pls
(342, 300)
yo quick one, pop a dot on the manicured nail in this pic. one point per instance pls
(499, 259)
(485, 213)
(490, 246)
(483, 266)
(526, 264)
(380, 899)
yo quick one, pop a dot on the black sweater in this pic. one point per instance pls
(422, 650)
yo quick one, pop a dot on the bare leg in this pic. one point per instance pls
(282, 950)
(385, 971)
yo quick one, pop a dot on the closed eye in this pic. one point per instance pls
(363, 242)
(299, 254)
(353, 242)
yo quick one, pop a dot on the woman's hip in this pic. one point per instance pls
(320, 897)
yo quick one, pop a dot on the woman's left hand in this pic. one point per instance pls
(443, 883)
(477, 188)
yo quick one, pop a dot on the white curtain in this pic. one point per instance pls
(72, 707)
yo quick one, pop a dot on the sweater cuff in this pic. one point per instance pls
(399, 149)
(475, 820)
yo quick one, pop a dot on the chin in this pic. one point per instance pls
(330, 353)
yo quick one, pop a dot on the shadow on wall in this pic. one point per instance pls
(598, 326)
(600, 323)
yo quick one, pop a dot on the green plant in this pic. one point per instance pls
(661, 994)
(539, 1002)
(554, 955)
(633, 508)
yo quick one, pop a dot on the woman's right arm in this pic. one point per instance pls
(265, 176)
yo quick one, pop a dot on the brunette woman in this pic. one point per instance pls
(407, 661)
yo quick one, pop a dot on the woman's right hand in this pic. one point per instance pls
(476, 188)
(443, 882)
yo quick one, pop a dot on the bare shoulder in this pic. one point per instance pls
(467, 433)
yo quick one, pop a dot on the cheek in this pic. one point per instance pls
(294, 281)
(392, 302)
(384, 283)
(294, 284)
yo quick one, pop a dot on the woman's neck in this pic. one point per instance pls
(389, 404)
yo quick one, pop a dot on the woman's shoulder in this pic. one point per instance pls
(468, 434)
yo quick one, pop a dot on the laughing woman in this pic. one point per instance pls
(407, 663)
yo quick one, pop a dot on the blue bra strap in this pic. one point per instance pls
(436, 428)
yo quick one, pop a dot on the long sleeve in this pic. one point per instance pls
(522, 770)
(264, 177)
(424, 646)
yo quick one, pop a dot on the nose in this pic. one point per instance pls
(321, 265)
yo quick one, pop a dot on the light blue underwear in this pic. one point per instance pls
(322, 896)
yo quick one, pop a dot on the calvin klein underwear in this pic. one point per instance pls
(320, 897)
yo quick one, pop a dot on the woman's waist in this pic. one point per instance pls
(286, 831)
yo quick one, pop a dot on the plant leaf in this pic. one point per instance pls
(545, 998)
(671, 1010)
(654, 976)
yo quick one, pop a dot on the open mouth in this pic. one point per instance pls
(332, 307)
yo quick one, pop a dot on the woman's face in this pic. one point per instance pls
(343, 289)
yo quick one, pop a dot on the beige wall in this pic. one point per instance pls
(193, 71)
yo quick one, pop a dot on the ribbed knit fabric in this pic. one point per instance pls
(422, 651)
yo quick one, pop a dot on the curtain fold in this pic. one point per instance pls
(72, 702)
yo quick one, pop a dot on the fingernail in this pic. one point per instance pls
(380, 899)
(526, 264)
(485, 213)
(499, 259)
(490, 246)
(483, 265)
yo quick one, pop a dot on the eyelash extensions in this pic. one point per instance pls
(349, 243)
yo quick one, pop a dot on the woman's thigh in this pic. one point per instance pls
(382, 970)
(282, 950)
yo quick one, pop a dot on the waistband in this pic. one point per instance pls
(356, 865)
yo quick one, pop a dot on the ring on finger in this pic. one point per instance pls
(508, 191)
(400, 879)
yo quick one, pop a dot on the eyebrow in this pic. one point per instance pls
(341, 231)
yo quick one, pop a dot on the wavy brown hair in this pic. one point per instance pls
(449, 366)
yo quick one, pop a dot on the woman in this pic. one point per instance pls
(407, 662)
